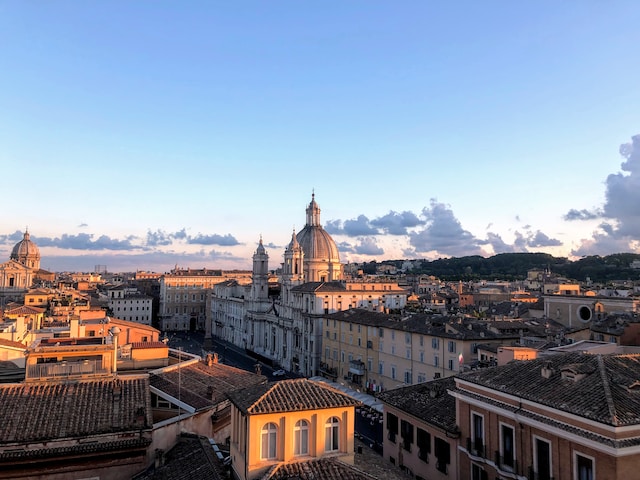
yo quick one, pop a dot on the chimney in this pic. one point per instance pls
(546, 370)
(115, 331)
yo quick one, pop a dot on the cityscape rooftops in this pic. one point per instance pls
(602, 388)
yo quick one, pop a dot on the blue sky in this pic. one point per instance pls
(145, 134)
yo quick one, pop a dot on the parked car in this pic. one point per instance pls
(279, 373)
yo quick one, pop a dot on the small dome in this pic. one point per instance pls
(26, 252)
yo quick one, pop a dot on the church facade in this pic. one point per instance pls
(17, 275)
(286, 329)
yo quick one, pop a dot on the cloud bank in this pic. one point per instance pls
(619, 230)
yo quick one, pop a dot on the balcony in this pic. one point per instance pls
(327, 371)
(506, 463)
(357, 367)
(533, 475)
(66, 370)
(475, 447)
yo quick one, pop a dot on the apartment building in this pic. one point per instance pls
(566, 416)
(420, 434)
(183, 296)
(377, 351)
(129, 304)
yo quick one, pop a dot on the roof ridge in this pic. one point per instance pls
(607, 390)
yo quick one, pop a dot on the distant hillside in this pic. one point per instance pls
(514, 266)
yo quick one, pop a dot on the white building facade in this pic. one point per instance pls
(285, 329)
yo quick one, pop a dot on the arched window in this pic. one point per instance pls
(301, 438)
(332, 435)
(269, 437)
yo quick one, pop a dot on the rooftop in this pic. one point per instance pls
(201, 385)
(290, 395)
(78, 409)
(602, 388)
(429, 401)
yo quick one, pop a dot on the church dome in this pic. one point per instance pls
(26, 252)
(316, 243)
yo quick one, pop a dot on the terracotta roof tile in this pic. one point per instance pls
(73, 409)
(429, 401)
(290, 395)
(24, 310)
(192, 458)
(11, 343)
(603, 388)
(202, 386)
(323, 468)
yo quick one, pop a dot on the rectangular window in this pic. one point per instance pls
(507, 447)
(477, 432)
(478, 473)
(408, 353)
(434, 343)
(584, 467)
(381, 368)
(407, 377)
(421, 357)
(392, 427)
(406, 432)
(450, 364)
(393, 372)
(442, 454)
(542, 459)
(452, 346)
(436, 361)
(407, 337)
(423, 441)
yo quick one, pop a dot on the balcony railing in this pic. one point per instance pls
(506, 463)
(533, 475)
(357, 368)
(66, 369)
(475, 447)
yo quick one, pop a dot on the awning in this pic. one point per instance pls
(366, 399)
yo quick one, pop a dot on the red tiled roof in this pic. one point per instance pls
(202, 386)
(605, 390)
(24, 310)
(324, 468)
(60, 410)
(11, 343)
(289, 396)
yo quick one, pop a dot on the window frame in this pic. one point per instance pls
(301, 437)
(332, 434)
(576, 466)
(269, 434)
